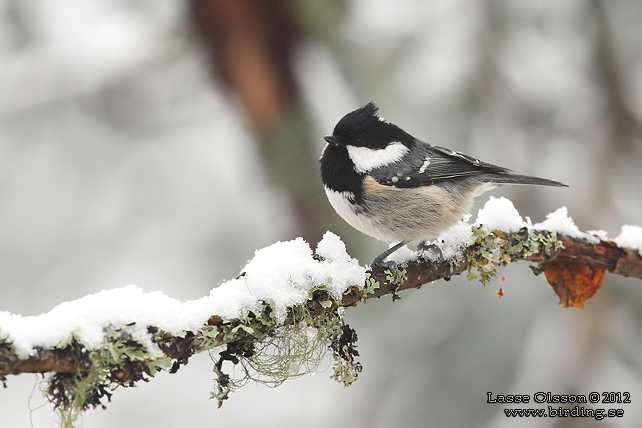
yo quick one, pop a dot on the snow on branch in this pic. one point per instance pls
(573, 262)
(281, 315)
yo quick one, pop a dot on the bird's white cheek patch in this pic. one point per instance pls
(366, 159)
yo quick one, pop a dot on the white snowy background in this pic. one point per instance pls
(123, 162)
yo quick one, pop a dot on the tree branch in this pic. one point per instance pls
(573, 251)
(84, 376)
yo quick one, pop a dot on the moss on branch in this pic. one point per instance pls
(271, 351)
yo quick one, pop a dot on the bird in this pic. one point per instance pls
(398, 189)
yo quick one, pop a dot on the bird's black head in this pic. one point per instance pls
(365, 128)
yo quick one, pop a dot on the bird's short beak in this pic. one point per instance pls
(331, 139)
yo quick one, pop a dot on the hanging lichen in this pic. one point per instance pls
(293, 349)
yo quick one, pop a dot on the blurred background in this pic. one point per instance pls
(161, 142)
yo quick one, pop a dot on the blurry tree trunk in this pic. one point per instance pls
(251, 42)
(251, 45)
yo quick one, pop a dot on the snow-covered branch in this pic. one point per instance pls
(573, 266)
(574, 262)
(283, 312)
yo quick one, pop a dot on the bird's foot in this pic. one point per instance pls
(430, 251)
(379, 260)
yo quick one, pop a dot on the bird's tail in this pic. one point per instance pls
(522, 179)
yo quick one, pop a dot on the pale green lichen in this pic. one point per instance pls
(271, 353)
(7, 348)
(371, 285)
(455, 261)
(268, 350)
(123, 359)
(395, 277)
(496, 248)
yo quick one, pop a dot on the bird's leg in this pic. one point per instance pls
(381, 257)
(430, 251)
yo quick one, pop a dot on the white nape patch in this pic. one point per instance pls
(365, 159)
(425, 165)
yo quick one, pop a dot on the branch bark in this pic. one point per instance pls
(601, 255)
(573, 266)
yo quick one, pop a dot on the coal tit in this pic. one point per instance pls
(389, 185)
